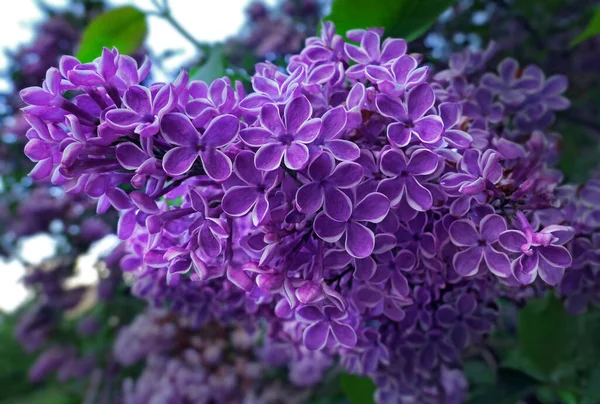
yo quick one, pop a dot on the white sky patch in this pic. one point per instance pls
(12, 290)
(86, 272)
(37, 248)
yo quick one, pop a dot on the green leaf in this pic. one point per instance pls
(124, 28)
(358, 389)
(408, 19)
(591, 30)
(213, 68)
(511, 386)
(547, 333)
(478, 372)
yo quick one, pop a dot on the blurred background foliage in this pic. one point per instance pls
(540, 353)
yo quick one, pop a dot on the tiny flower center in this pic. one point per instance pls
(286, 139)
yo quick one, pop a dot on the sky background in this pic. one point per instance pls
(207, 20)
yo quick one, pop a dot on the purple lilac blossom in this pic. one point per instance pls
(365, 212)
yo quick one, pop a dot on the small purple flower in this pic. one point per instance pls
(324, 325)
(541, 251)
(370, 53)
(190, 144)
(240, 199)
(402, 177)
(398, 78)
(287, 138)
(324, 188)
(478, 244)
(360, 240)
(411, 121)
(462, 320)
(453, 135)
(143, 110)
(476, 171)
(329, 139)
(508, 84)
(483, 107)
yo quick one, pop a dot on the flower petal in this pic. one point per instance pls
(360, 241)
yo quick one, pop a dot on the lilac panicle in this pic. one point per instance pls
(359, 206)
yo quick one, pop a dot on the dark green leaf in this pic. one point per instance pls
(547, 333)
(124, 28)
(477, 372)
(511, 386)
(213, 68)
(406, 19)
(591, 30)
(358, 390)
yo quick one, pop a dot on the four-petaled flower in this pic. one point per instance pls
(324, 325)
(324, 185)
(538, 252)
(287, 138)
(463, 233)
(191, 144)
(402, 177)
(360, 240)
(411, 121)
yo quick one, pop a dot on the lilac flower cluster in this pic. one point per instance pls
(355, 204)
(211, 364)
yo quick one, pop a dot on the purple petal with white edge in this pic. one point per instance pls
(393, 162)
(210, 244)
(373, 208)
(343, 149)
(556, 255)
(364, 269)
(260, 210)
(221, 131)
(344, 334)
(420, 100)
(525, 268)
(126, 225)
(491, 226)
(138, 99)
(429, 129)
(360, 241)
(122, 119)
(309, 131)
(269, 156)
(309, 198)
(418, 197)
(271, 119)
(256, 137)
(310, 314)
(403, 67)
(563, 233)
(315, 336)
(244, 168)
(512, 240)
(422, 162)
(356, 96)
(458, 139)
(357, 54)
(296, 113)
(463, 233)
(392, 49)
(398, 134)
(346, 175)
(467, 262)
(390, 107)
(450, 114)
(130, 156)
(321, 167)
(296, 156)
(327, 229)
(392, 188)
(378, 73)
(179, 160)
(498, 263)
(239, 200)
(337, 205)
(549, 273)
(176, 128)
(333, 123)
(216, 164)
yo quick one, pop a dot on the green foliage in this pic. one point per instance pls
(408, 19)
(546, 333)
(592, 29)
(213, 68)
(124, 28)
(358, 390)
(511, 386)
